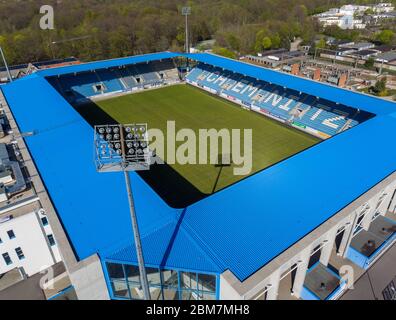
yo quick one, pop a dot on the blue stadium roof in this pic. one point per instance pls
(240, 228)
(107, 64)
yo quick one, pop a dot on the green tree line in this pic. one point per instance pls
(113, 28)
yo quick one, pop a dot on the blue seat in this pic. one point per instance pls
(147, 73)
(110, 80)
(127, 78)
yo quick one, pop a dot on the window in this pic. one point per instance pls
(51, 240)
(7, 258)
(197, 286)
(163, 284)
(156, 293)
(206, 282)
(136, 291)
(11, 234)
(188, 280)
(132, 274)
(358, 226)
(19, 253)
(170, 278)
(360, 219)
(115, 271)
(170, 294)
(44, 221)
(153, 276)
(120, 289)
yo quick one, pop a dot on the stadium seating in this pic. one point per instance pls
(82, 86)
(110, 80)
(127, 78)
(321, 117)
(317, 116)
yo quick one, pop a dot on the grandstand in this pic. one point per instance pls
(81, 87)
(302, 217)
(320, 117)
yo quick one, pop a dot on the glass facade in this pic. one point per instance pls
(164, 284)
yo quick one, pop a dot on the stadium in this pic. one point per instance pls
(320, 196)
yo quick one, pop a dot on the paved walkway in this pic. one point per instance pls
(371, 284)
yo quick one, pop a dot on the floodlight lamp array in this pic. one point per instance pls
(124, 145)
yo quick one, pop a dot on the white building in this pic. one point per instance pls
(350, 16)
(27, 243)
(383, 7)
(353, 9)
(344, 21)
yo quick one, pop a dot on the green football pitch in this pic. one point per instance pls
(195, 109)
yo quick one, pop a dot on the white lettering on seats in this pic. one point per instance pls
(286, 106)
(237, 88)
(329, 122)
(212, 77)
(316, 114)
(276, 98)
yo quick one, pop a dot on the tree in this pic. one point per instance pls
(263, 40)
(385, 36)
(321, 44)
(276, 41)
(224, 52)
(233, 41)
(379, 89)
(121, 27)
(266, 43)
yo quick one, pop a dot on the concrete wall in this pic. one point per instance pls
(88, 280)
(227, 292)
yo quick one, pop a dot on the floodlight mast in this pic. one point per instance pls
(136, 235)
(117, 157)
(186, 11)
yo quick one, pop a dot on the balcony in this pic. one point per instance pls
(366, 246)
(321, 283)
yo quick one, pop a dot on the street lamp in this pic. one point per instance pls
(125, 148)
(5, 64)
(186, 11)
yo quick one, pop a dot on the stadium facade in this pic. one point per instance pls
(289, 231)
